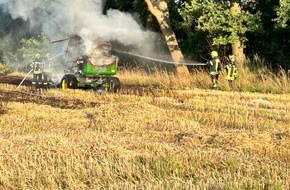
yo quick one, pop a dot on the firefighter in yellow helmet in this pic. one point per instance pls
(231, 70)
(214, 65)
(47, 70)
(37, 66)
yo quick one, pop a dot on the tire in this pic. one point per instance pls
(115, 84)
(69, 82)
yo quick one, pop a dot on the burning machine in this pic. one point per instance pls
(92, 67)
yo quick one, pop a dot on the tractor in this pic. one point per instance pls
(93, 69)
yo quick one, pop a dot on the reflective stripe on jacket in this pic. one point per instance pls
(47, 67)
(37, 67)
(231, 71)
(214, 66)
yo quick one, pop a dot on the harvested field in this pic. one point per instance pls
(142, 138)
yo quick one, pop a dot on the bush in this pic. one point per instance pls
(5, 69)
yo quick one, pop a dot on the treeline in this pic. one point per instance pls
(260, 28)
(255, 29)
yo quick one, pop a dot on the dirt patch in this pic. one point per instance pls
(34, 95)
(24, 97)
(15, 80)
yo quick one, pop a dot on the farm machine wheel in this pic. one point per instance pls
(69, 82)
(114, 84)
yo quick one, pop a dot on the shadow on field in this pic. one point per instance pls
(32, 96)
(37, 95)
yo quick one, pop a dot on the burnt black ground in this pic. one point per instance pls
(35, 95)
(30, 94)
(15, 80)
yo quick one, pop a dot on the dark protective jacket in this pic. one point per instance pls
(214, 66)
(47, 67)
(37, 66)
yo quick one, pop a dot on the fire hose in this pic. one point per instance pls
(158, 60)
(24, 78)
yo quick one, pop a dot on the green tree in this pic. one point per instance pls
(271, 43)
(29, 47)
(283, 13)
(225, 22)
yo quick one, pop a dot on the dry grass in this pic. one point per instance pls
(154, 139)
(257, 80)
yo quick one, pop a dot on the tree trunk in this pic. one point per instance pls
(237, 48)
(160, 10)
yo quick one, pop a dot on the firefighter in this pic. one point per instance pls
(47, 70)
(214, 65)
(231, 70)
(37, 66)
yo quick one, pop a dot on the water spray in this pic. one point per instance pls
(56, 56)
(159, 60)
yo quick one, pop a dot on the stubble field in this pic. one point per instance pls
(142, 138)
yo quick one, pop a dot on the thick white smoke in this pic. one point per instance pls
(83, 17)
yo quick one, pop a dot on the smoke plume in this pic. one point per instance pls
(59, 18)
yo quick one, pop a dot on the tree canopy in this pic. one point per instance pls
(223, 26)
(283, 13)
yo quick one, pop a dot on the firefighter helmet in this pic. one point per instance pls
(232, 57)
(37, 55)
(214, 54)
